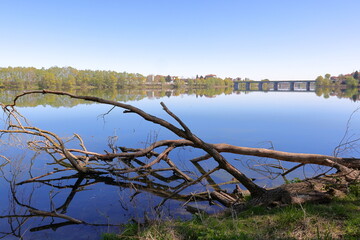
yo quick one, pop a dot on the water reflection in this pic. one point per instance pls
(276, 86)
(125, 95)
(54, 197)
(122, 95)
(65, 200)
(350, 93)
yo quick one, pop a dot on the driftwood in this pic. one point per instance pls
(320, 188)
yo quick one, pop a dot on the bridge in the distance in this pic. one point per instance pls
(276, 86)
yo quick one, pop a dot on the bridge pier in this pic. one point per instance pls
(292, 86)
(276, 86)
(236, 86)
(260, 86)
(308, 86)
(247, 86)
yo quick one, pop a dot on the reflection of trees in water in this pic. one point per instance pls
(20, 211)
(23, 205)
(122, 95)
(125, 95)
(350, 93)
(138, 171)
(134, 173)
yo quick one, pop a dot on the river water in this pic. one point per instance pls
(286, 121)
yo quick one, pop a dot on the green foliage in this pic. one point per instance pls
(295, 180)
(134, 231)
(168, 78)
(343, 86)
(66, 78)
(320, 81)
(179, 83)
(339, 219)
(354, 190)
(109, 236)
(122, 95)
(210, 82)
(348, 92)
(351, 82)
(356, 75)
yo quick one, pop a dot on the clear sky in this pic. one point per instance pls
(275, 39)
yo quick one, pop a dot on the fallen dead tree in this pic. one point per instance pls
(320, 188)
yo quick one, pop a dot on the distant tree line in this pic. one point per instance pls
(65, 78)
(71, 78)
(349, 80)
(341, 86)
(211, 81)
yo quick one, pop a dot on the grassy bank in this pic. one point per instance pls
(339, 219)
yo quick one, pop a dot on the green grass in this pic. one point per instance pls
(339, 219)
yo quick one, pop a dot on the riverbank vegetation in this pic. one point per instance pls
(342, 80)
(339, 219)
(67, 78)
(342, 86)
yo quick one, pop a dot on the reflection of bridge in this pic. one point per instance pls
(284, 86)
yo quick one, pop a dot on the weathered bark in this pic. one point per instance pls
(224, 198)
(289, 157)
(319, 190)
(304, 158)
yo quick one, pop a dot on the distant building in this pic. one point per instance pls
(210, 76)
(174, 78)
(150, 78)
(159, 78)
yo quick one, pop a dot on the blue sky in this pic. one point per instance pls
(275, 39)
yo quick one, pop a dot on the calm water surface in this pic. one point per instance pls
(294, 122)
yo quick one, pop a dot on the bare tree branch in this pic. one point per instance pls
(143, 169)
